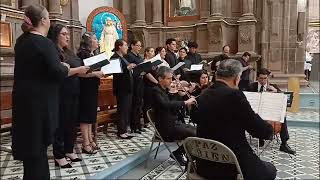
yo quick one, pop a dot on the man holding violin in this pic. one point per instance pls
(263, 85)
(166, 118)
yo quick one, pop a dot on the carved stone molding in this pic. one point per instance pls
(181, 36)
(215, 33)
(245, 35)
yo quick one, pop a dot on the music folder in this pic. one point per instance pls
(96, 62)
(113, 67)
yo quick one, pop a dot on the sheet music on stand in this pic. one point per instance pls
(269, 106)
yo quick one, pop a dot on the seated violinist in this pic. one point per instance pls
(262, 85)
(166, 119)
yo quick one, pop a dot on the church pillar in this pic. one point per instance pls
(126, 10)
(216, 9)
(247, 9)
(140, 10)
(54, 9)
(26, 3)
(247, 29)
(204, 9)
(157, 13)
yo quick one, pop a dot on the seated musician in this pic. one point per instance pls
(166, 119)
(224, 116)
(262, 85)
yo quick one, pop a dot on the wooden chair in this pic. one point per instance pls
(204, 149)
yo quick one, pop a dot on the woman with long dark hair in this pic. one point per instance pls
(69, 98)
(38, 73)
(123, 88)
(88, 102)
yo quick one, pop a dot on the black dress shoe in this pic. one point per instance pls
(285, 148)
(179, 158)
(124, 136)
(142, 130)
(75, 159)
(137, 131)
(261, 142)
(64, 166)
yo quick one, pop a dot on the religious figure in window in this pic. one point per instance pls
(185, 8)
(108, 36)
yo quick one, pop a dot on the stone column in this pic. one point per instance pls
(126, 10)
(216, 9)
(204, 9)
(247, 9)
(157, 13)
(140, 10)
(54, 8)
(25, 3)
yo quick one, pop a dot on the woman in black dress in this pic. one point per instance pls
(89, 85)
(69, 98)
(38, 74)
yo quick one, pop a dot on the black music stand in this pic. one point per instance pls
(290, 98)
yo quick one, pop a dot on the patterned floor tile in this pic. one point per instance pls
(305, 165)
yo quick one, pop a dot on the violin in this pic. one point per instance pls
(183, 86)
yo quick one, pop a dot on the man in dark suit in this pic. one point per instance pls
(224, 115)
(193, 57)
(262, 85)
(171, 57)
(244, 81)
(166, 118)
(216, 60)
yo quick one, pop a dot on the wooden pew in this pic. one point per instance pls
(6, 110)
(106, 104)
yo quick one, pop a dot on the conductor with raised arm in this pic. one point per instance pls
(224, 115)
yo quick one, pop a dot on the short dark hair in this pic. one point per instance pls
(133, 42)
(159, 49)
(263, 71)
(183, 48)
(117, 44)
(225, 47)
(54, 32)
(246, 54)
(192, 45)
(170, 40)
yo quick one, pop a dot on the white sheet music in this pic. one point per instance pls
(254, 100)
(196, 67)
(157, 57)
(269, 106)
(177, 66)
(112, 68)
(95, 59)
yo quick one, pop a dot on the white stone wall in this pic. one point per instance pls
(87, 6)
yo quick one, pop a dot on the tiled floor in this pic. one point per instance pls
(304, 115)
(305, 165)
(112, 151)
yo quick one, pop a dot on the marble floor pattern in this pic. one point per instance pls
(305, 165)
(305, 115)
(113, 150)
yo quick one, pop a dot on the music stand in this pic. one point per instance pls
(290, 98)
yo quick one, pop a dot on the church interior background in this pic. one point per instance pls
(276, 32)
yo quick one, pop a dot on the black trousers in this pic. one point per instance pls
(37, 168)
(137, 103)
(124, 105)
(65, 133)
(284, 134)
(147, 101)
(180, 132)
